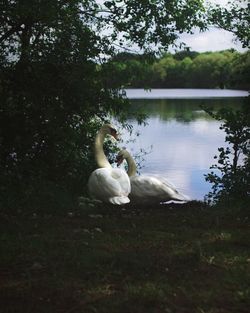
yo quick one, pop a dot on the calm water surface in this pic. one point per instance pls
(180, 138)
(184, 93)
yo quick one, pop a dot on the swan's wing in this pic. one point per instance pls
(123, 179)
(152, 188)
(102, 183)
(107, 183)
(144, 186)
(176, 194)
(165, 181)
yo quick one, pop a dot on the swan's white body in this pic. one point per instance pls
(108, 184)
(148, 189)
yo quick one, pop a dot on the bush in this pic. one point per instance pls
(231, 185)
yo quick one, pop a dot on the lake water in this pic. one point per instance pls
(180, 138)
(184, 93)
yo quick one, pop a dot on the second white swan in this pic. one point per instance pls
(148, 189)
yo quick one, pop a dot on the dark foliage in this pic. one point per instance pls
(231, 175)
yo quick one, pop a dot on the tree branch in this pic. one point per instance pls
(10, 32)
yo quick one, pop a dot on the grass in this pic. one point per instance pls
(175, 258)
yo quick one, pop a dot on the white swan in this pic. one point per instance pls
(148, 189)
(108, 184)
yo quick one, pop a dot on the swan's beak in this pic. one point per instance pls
(115, 134)
(119, 160)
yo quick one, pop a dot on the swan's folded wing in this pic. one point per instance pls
(122, 178)
(102, 183)
(175, 194)
(165, 181)
(105, 183)
(145, 186)
(149, 187)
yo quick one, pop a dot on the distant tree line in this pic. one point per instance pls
(184, 69)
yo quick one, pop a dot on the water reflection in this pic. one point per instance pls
(184, 140)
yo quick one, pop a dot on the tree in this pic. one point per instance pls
(181, 55)
(54, 93)
(240, 71)
(231, 185)
(234, 18)
(128, 69)
(212, 70)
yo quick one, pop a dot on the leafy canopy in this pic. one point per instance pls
(235, 18)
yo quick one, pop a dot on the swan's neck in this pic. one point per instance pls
(131, 166)
(100, 157)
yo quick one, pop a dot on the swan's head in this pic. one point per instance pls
(110, 129)
(121, 156)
